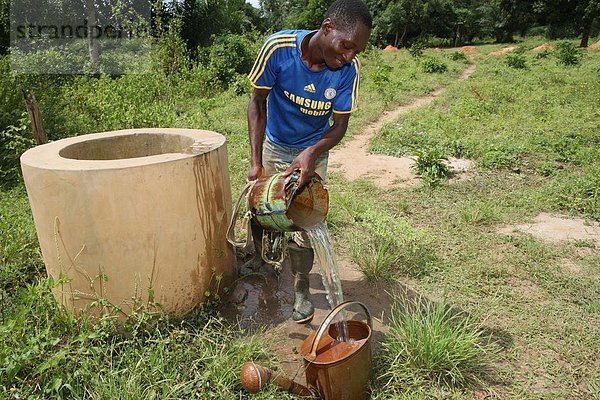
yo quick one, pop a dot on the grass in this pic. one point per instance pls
(533, 134)
(46, 353)
(431, 342)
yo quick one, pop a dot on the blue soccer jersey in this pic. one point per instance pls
(301, 101)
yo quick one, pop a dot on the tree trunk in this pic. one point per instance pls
(403, 34)
(396, 39)
(92, 44)
(35, 116)
(587, 28)
(457, 35)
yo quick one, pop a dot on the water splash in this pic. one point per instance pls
(321, 244)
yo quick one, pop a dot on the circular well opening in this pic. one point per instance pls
(127, 146)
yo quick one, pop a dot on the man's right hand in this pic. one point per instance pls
(257, 171)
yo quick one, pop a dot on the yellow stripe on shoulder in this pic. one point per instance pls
(264, 64)
(357, 65)
(356, 83)
(269, 44)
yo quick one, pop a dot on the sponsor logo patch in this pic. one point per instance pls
(310, 88)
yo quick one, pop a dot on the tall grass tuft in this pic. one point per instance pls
(376, 258)
(428, 342)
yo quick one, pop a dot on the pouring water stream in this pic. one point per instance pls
(322, 246)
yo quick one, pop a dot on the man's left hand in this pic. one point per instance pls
(305, 163)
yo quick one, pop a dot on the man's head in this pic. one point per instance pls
(346, 30)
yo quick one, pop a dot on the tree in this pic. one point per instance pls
(307, 16)
(514, 16)
(588, 10)
(274, 11)
(201, 19)
(399, 18)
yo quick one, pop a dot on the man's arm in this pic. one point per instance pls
(257, 122)
(305, 161)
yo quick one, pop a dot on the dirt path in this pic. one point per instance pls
(354, 160)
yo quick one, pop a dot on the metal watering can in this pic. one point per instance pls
(339, 370)
(334, 370)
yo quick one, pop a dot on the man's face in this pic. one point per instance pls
(341, 45)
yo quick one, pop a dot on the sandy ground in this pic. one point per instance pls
(556, 228)
(544, 47)
(265, 301)
(502, 51)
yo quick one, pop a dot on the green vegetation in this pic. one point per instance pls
(533, 134)
(430, 341)
(567, 53)
(48, 354)
(516, 60)
(430, 166)
(516, 119)
(433, 65)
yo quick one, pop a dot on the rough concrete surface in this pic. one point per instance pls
(132, 216)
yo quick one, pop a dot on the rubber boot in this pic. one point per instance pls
(254, 264)
(301, 260)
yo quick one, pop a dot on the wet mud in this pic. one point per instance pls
(264, 301)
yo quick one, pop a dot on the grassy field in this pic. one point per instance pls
(527, 327)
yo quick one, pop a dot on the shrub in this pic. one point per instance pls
(428, 342)
(567, 53)
(433, 65)
(381, 74)
(229, 56)
(416, 49)
(521, 49)
(169, 53)
(537, 31)
(144, 100)
(458, 56)
(14, 140)
(241, 85)
(434, 41)
(516, 60)
(20, 257)
(430, 166)
(11, 101)
(543, 54)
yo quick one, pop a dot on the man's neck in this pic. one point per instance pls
(312, 55)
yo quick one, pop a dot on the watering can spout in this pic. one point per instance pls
(255, 377)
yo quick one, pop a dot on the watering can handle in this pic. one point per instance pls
(327, 321)
(240, 245)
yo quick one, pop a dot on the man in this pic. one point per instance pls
(304, 79)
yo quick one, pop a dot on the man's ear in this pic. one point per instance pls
(327, 25)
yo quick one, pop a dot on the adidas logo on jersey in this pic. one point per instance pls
(310, 88)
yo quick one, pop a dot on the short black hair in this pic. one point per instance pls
(348, 13)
